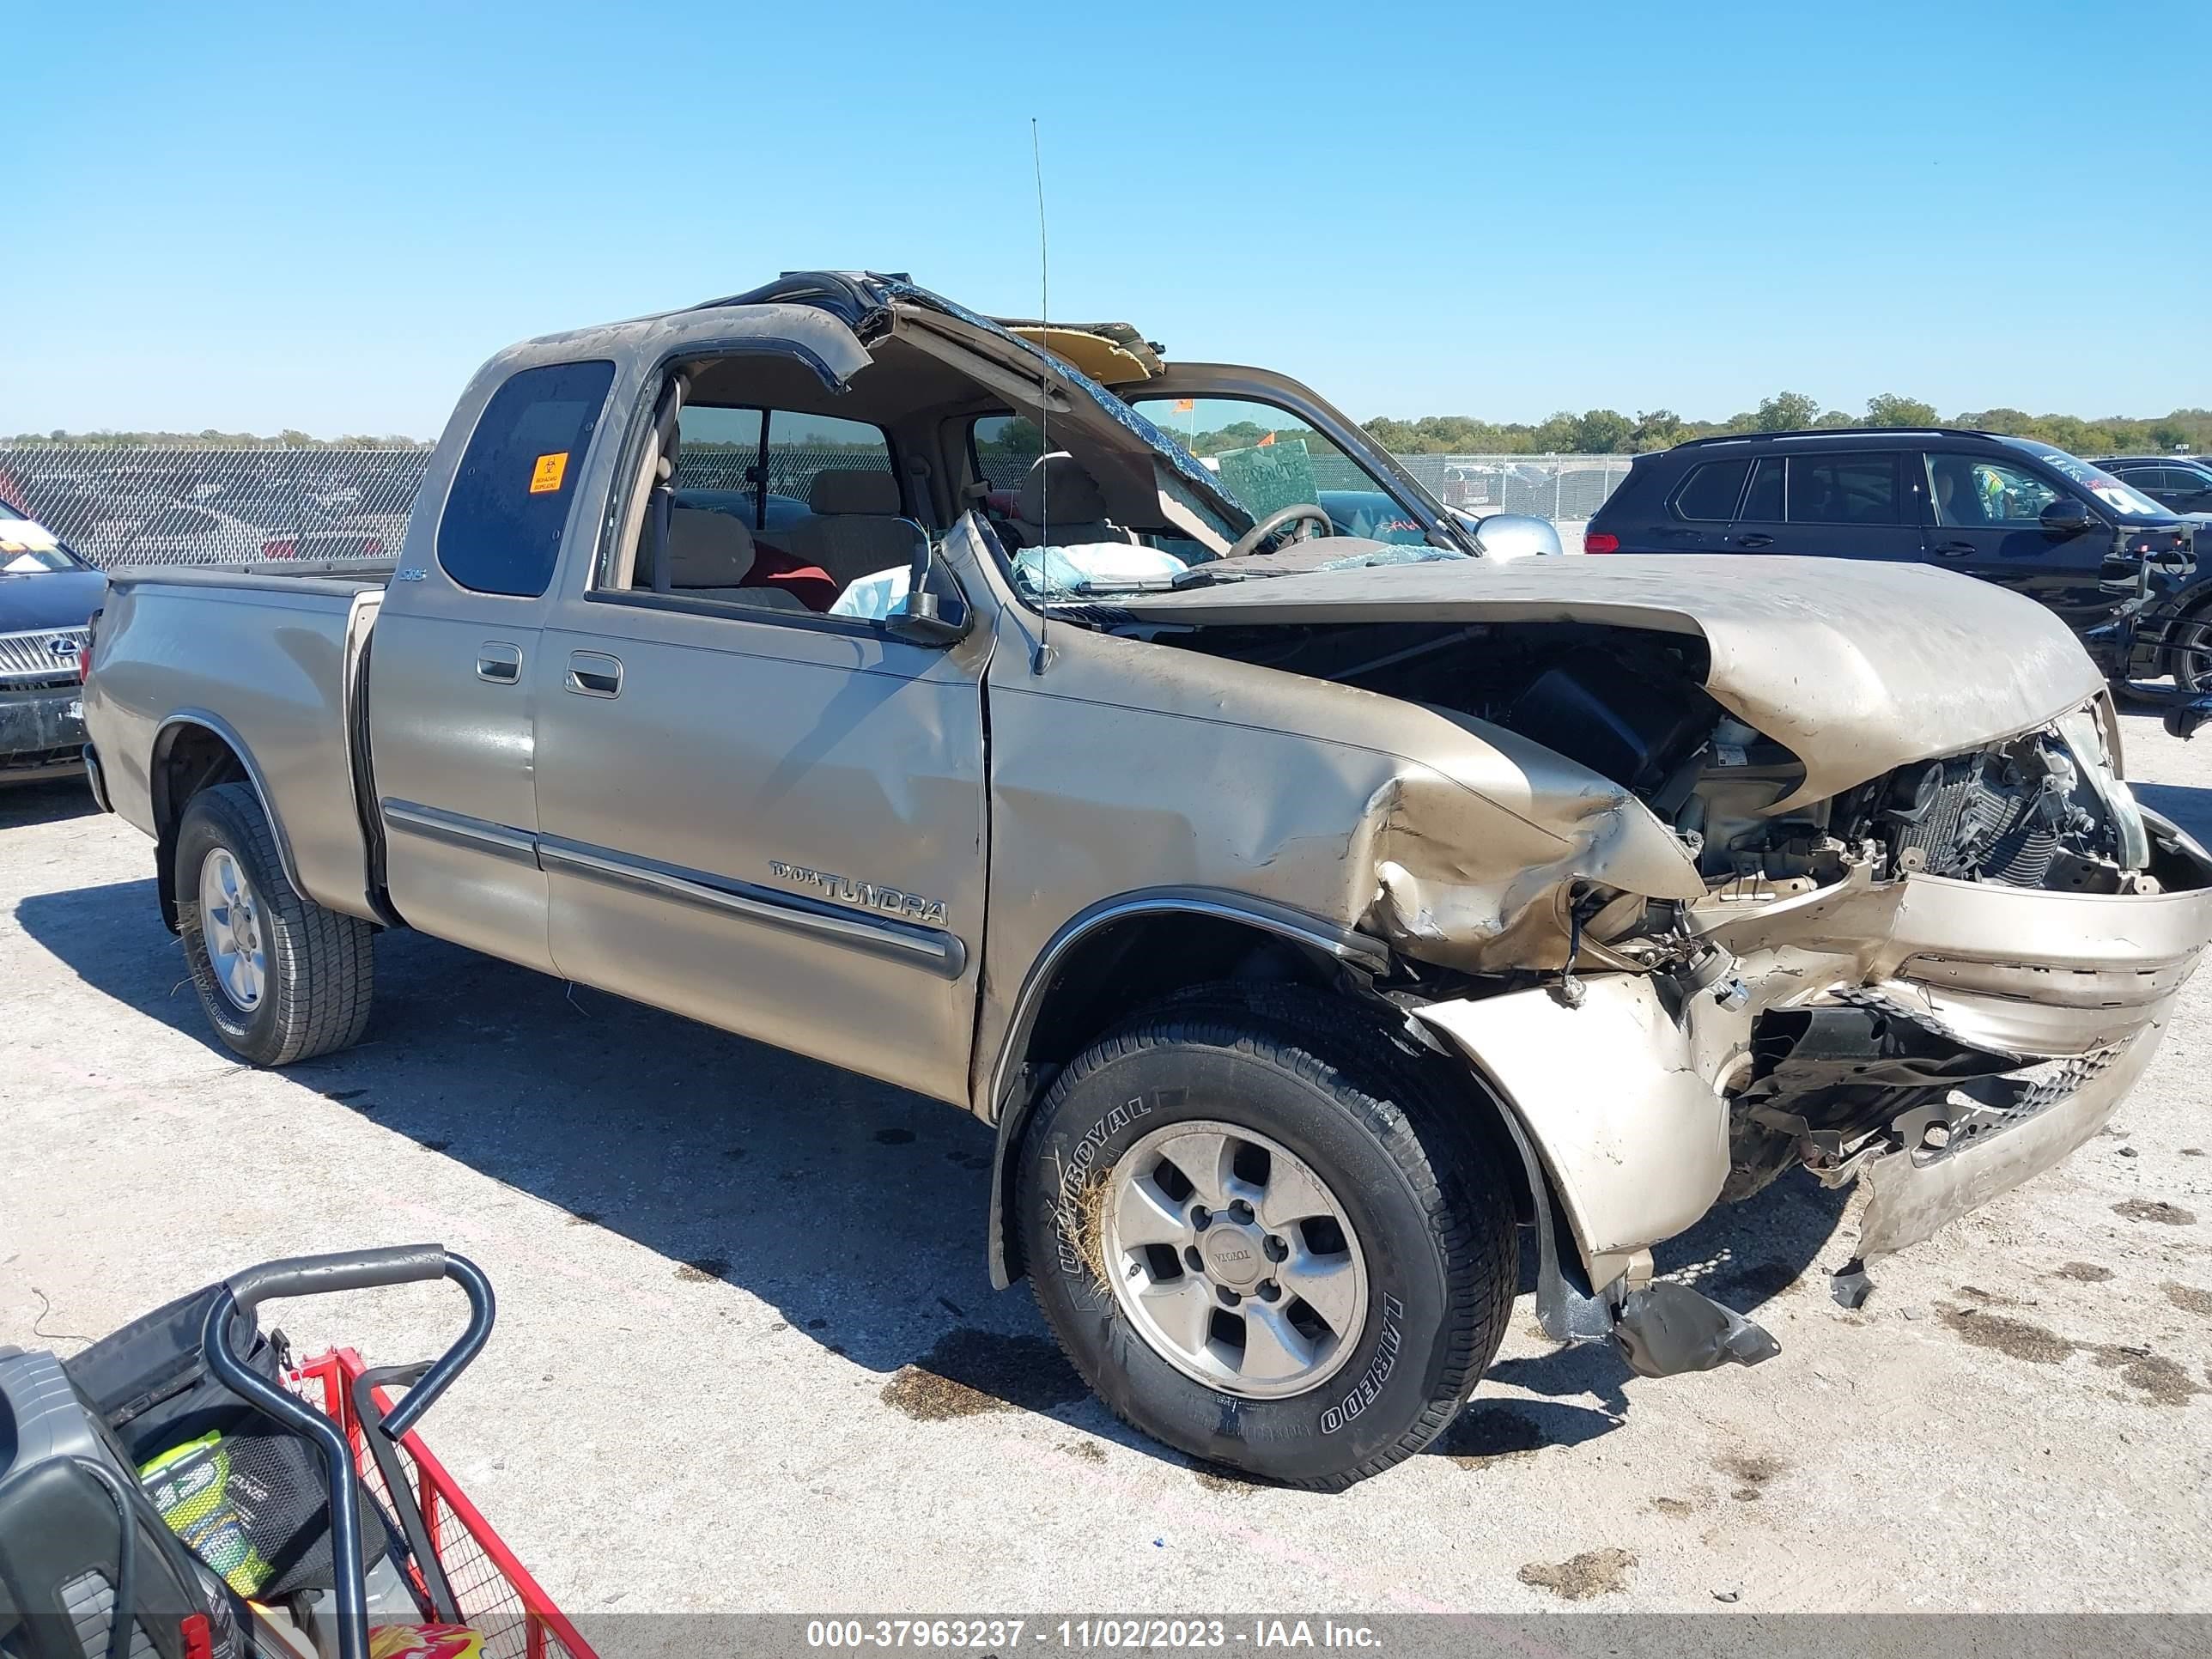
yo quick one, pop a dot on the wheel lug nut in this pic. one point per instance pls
(1192, 1260)
(1269, 1290)
(1274, 1248)
(1200, 1217)
(1229, 1298)
(1241, 1210)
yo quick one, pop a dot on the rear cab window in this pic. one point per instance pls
(501, 529)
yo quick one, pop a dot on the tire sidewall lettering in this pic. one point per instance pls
(1352, 1408)
(1389, 1340)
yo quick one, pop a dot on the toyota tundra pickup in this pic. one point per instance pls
(1313, 914)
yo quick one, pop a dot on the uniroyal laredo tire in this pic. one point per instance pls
(1422, 1191)
(319, 973)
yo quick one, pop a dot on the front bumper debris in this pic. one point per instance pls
(1666, 1328)
(1943, 1040)
(1919, 1188)
(42, 732)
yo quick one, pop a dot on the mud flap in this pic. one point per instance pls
(1666, 1328)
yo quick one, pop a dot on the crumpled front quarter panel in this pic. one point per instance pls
(1128, 766)
(1614, 1093)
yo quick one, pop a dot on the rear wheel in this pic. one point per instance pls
(1266, 1237)
(280, 978)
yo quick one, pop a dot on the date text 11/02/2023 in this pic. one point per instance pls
(989, 1635)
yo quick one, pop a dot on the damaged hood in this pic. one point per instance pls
(1855, 668)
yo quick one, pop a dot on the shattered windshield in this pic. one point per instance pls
(1219, 489)
(1266, 458)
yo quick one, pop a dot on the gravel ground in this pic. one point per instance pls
(748, 1357)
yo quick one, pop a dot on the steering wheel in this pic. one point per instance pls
(1276, 522)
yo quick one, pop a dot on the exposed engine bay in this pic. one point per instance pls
(1631, 706)
(1844, 1042)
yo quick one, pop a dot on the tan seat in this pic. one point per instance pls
(1061, 505)
(710, 554)
(854, 490)
(856, 529)
(707, 549)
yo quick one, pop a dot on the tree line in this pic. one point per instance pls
(1608, 431)
(211, 439)
(1593, 432)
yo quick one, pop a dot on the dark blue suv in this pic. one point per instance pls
(2008, 510)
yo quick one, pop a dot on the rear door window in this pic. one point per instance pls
(763, 463)
(500, 530)
(1709, 493)
(1853, 486)
(1764, 501)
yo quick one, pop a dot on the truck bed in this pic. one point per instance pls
(268, 660)
(273, 575)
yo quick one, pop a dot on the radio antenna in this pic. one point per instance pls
(1041, 658)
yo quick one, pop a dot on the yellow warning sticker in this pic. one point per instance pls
(545, 477)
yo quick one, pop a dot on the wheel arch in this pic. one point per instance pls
(1081, 985)
(195, 750)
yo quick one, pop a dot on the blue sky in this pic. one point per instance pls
(258, 217)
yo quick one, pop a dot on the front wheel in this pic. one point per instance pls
(280, 978)
(1265, 1237)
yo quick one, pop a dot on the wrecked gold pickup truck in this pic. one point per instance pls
(1309, 912)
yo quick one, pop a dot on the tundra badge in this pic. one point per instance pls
(864, 895)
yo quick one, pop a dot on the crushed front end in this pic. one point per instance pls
(1703, 878)
(1978, 971)
(1939, 982)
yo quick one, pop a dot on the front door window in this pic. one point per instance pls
(1973, 492)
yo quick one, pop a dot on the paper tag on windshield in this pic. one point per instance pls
(1730, 754)
(25, 536)
(545, 477)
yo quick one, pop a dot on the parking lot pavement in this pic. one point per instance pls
(748, 1356)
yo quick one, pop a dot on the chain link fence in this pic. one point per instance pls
(790, 468)
(129, 505)
(125, 504)
(1561, 488)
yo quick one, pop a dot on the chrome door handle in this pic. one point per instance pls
(594, 674)
(498, 662)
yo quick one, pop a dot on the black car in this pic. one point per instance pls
(48, 596)
(2007, 510)
(2182, 483)
(2174, 637)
